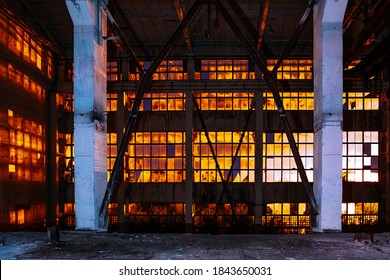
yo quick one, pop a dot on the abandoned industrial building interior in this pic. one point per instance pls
(195, 116)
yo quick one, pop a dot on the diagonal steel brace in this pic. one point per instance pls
(224, 181)
(144, 86)
(271, 83)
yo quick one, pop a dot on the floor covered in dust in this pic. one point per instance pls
(80, 245)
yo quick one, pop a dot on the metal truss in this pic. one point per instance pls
(270, 80)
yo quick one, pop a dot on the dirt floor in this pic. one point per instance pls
(78, 245)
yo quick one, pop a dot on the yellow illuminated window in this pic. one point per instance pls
(224, 69)
(291, 101)
(25, 82)
(278, 161)
(69, 208)
(26, 149)
(168, 70)
(112, 102)
(287, 218)
(359, 213)
(224, 100)
(20, 41)
(69, 157)
(111, 152)
(20, 216)
(360, 101)
(12, 217)
(225, 145)
(204, 215)
(157, 101)
(360, 156)
(67, 102)
(156, 157)
(113, 71)
(170, 215)
(292, 69)
(3, 30)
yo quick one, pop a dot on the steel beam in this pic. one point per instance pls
(224, 181)
(180, 12)
(241, 16)
(271, 83)
(144, 86)
(297, 32)
(129, 26)
(123, 39)
(262, 24)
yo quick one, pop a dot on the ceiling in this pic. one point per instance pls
(268, 24)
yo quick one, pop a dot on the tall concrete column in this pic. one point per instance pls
(90, 122)
(328, 112)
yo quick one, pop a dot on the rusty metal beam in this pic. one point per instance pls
(123, 39)
(271, 82)
(349, 18)
(180, 12)
(225, 186)
(224, 181)
(377, 25)
(241, 16)
(144, 85)
(262, 24)
(133, 32)
(294, 37)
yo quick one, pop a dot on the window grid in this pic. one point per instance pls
(204, 215)
(292, 69)
(156, 157)
(278, 161)
(224, 69)
(21, 80)
(360, 213)
(112, 102)
(287, 218)
(23, 44)
(111, 152)
(69, 157)
(168, 70)
(158, 101)
(360, 156)
(224, 145)
(26, 149)
(360, 101)
(291, 101)
(113, 71)
(224, 100)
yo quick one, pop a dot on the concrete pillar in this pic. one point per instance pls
(328, 112)
(258, 209)
(90, 121)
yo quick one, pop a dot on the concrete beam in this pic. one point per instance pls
(328, 112)
(90, 123)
